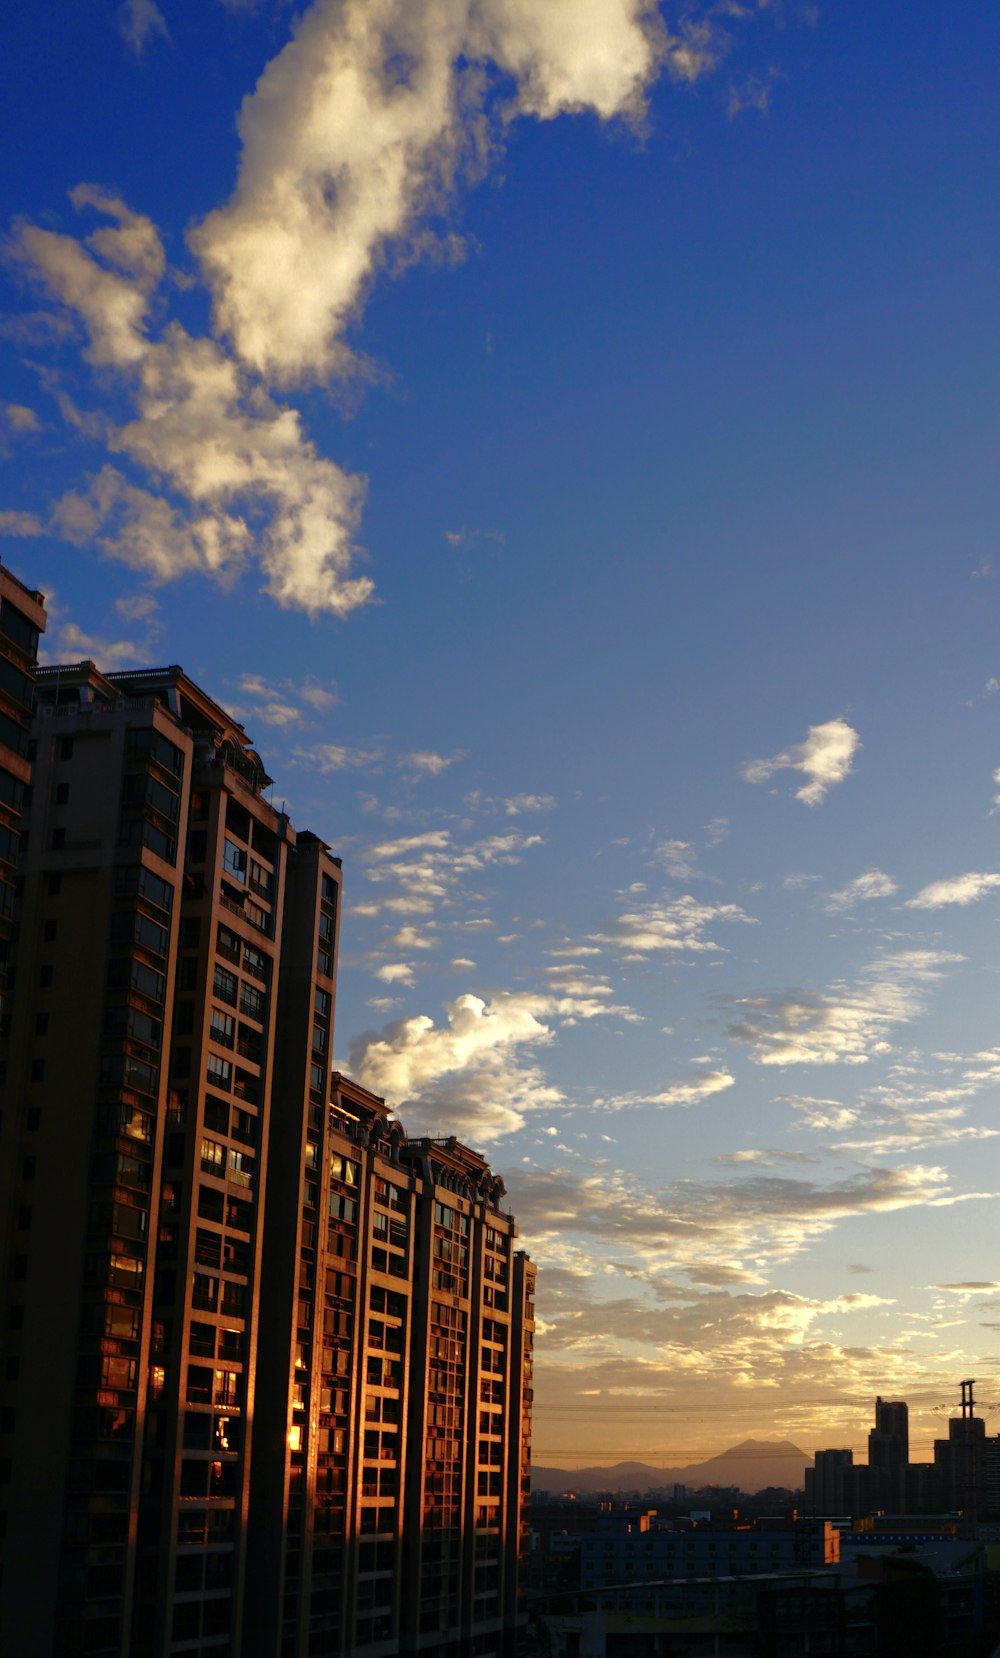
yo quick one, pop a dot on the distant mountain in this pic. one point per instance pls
(749, 1466)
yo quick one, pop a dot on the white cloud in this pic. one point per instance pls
(19, 418)
(366, 121)
(691, 1092)
(959, 889)
(511, 805)
(140, 22)
(424, 762)
(17, 523)
(71, 644)
(824, 758)
(396, 972)
(430, 865)
(410, 938)
(873, 884)
(465, 1076)
(337, 757)
(320, 697)
(741, 1224)
(846, 1024)
(676, 859)
(137, 607)
(466, 537)
(676, 924)
(245, 479)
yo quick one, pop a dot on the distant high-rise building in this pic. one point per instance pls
(961, 1459)
(888, 1455)
(266, 1362)
(829, 1483)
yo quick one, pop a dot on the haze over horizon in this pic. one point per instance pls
(566, 435)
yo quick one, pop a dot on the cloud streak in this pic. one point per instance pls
(846, 1025)
(958, 889)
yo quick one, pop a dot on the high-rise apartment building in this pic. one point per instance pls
(22, 621)
(266, 1362)
(404, 1357)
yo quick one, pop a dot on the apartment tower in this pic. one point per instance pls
(266, 1362)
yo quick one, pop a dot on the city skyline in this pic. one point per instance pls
(575, 468)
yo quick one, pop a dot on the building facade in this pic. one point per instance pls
(225, 1306)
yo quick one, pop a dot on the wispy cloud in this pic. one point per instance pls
(510, 805)
(874, 883)
(21, 524)
(423, 762)
(337, 757)
(676, 857)
(673, 925)
(690, 1092)
(140, 23)
(824, 758)
(957, 889)
(17, 417)
(846, 1024)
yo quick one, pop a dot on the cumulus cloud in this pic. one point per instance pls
(466, 1075)
(846, 1024)
(365, 123)
(355, 138)
(824, 758)
(691, 1092)
(672, 925)
(244, 479)
(958, 889)
(874, 883)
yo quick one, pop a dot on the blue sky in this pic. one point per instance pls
(566, 435)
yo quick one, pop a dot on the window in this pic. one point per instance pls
(321, 1002)
(240, 1168)
(213, 1157)
(234, 860)
(223, 1028)
(224, 985)
(252, 1002)
(219, 1071)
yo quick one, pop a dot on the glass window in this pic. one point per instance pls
(234, 860)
